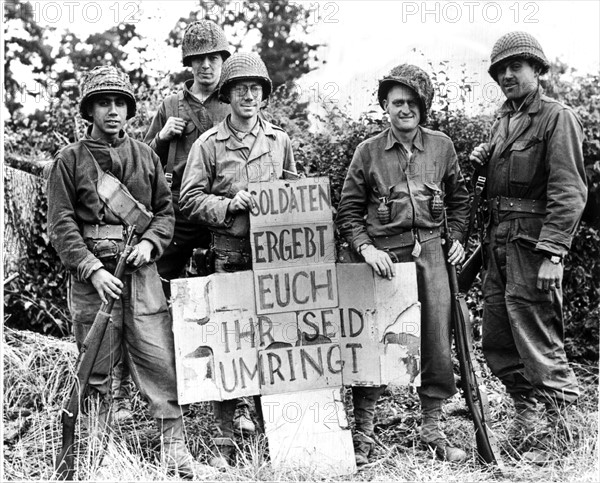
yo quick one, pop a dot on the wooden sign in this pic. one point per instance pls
(296, 328)
(309, 431)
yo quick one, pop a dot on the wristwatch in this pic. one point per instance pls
(555, 259)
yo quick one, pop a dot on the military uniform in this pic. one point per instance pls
(141, 314)
(221, 163)
(205, 114)
(537, 193)
(392, 199)
(88, 236)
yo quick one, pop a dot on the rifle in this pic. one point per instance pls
(470, 269)
(473, 389)
(85, 362)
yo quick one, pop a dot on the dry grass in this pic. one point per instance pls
(38, 374)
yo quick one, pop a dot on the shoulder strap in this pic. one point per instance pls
(202, 123)
(172, 110)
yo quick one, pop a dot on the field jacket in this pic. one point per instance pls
(219, 166)
(211, 112)
(73, 198)
(381, 168)
(541, 159)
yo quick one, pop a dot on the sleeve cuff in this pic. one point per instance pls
(87, 267)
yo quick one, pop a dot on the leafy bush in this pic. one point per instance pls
(328, 152)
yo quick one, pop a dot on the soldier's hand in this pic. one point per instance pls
(549, 276)
(242, 201)
(480, 155)
(456, 253)
(106, 284)
(379, 261)
(173, 127)
(140, 254)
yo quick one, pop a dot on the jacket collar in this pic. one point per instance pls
(531, 105)
(187, 92)
(224, 133)
(87, 137)
(392, 140)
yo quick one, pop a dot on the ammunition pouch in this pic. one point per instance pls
(118, 200)
(204, 259)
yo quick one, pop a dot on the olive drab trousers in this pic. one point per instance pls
(437, 370)
(523, 331)
(141, 322)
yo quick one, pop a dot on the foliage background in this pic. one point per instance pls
(37, 299)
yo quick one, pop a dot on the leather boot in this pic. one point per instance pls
(223, 453)
(526, 419)
(432, 436)
(550, 444)
(363, 446)
(174, 453)
(364, 400)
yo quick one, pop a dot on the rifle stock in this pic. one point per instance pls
(469, 270)
(65, 467)
(473, 390)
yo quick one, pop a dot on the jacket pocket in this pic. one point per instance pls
(524, 158)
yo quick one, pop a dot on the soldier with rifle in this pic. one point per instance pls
(390, 211)
(98, 187)
(536, 193)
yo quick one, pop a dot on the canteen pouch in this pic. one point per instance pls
(118, 199)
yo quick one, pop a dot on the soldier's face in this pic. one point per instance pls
(517, 78)
(109, 114)
(207, 69)
(402, 105)
(245, 98)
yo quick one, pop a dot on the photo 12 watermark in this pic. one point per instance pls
(55, 13)
(472, 12)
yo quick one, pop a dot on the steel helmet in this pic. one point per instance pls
(203, 37)
(517, 44)
(106, 80)
(412, 77)
(242, 66)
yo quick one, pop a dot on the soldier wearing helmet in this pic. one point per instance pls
(536, 192)
(87, 231)
(180, 120)
(390, 211)
(241, 149)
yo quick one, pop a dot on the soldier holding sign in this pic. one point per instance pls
(400, 179)
(242, 148)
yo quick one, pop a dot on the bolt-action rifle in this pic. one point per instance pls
(65, 467)
(473, 389)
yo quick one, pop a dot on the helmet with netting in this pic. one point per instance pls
(244, 66)
(201, 38)
(105, 80)
(517, 44)
(415, 79)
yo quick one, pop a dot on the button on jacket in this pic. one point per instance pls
(381, 167)
(540, 159)
(219, 165)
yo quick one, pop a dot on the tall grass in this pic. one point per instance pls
(38, 375)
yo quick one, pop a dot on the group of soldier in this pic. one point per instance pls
(210, 139)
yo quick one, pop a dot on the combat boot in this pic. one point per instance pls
(174, 453)
(554, 441)
(223, 453)
(432, 436)
(525, 421)
(242, 423)
(363, 446)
